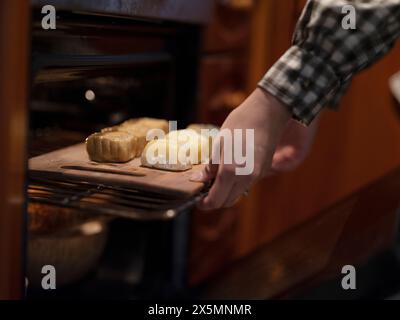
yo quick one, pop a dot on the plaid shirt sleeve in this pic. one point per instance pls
(324, 56)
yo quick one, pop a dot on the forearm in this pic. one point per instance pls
(315, 71)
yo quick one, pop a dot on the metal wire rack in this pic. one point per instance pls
(108, 200)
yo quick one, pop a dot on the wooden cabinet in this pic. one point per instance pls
(355, 146)
(222, 83)
(230, 26)
(14, 17)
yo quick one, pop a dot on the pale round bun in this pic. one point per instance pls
(197, 145)
(164, 154)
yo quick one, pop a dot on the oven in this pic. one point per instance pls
(94, 71)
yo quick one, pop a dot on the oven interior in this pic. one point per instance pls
(92, 72)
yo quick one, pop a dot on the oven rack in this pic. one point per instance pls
(103, 199)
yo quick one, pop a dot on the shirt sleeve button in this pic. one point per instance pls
(305, 83)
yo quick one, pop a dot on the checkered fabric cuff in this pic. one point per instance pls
(304, 82)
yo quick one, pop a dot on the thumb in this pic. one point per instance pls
(208, 173)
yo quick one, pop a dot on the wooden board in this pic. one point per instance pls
(58, 164)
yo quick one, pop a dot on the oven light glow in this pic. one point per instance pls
(89, 95)
(170, 213)
(91, 228)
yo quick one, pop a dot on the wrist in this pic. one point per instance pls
(278, 114)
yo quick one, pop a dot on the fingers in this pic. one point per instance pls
(208, 173)
(285, 159)
(228, 186)
(219, 191)
(224, 179)
(238, 190)
(235, 195)
(210, 170)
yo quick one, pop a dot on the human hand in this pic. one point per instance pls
(268, 117)
(294, 146)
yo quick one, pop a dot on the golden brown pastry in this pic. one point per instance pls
(139, 128)
(112, 146)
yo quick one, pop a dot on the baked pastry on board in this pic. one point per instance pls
(123, 142)
(126, 141)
